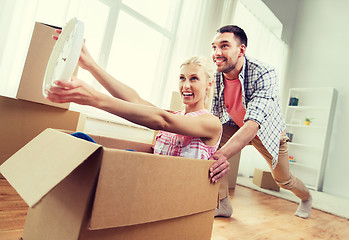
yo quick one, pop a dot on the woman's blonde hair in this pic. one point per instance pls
(206, 64)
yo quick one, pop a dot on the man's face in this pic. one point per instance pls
(226, 49)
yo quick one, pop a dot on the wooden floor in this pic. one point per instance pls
(256, 216)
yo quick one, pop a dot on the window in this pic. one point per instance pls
(138, 53)
(141, 47)
(136, 45)
(132, 40)
(160, 12)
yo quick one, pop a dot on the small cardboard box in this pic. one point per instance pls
(39, 52)
(81, 190)
(22, 120)
(264, 179)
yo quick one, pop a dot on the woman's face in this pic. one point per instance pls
(193, 84)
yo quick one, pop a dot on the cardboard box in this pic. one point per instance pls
(264, 179)
(81, 190)
(234, 162)
(39, 52)
(21, 121)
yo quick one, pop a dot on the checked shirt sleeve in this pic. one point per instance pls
(263, 105)
(262, 97)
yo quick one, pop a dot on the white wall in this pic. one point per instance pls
(319, 58)
(286, 12)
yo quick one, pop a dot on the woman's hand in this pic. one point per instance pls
(59, 31)
(85, 60)
(73, 91)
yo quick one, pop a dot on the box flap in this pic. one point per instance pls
(45, 161)
(135, 188)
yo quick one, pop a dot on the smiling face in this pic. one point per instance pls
(193, 85)
(227, 52)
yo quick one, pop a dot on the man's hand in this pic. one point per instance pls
(220, 167)
(237, 142)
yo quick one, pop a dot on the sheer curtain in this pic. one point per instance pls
(190, 41)
(199, 21)
(16, 28)
(263, 30)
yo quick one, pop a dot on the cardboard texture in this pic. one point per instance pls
(21, 121)
(232, 175)
(81, 190)
(264, 179)
(40, 48)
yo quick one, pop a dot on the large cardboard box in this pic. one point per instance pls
(81, 190)
(21, 121)
(264, 179)
(39, 52)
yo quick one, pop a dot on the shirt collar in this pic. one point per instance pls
(242, 73)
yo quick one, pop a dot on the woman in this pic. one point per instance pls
(193, 133)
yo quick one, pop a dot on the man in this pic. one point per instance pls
(246, 100)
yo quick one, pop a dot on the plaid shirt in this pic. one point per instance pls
(260, 98)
